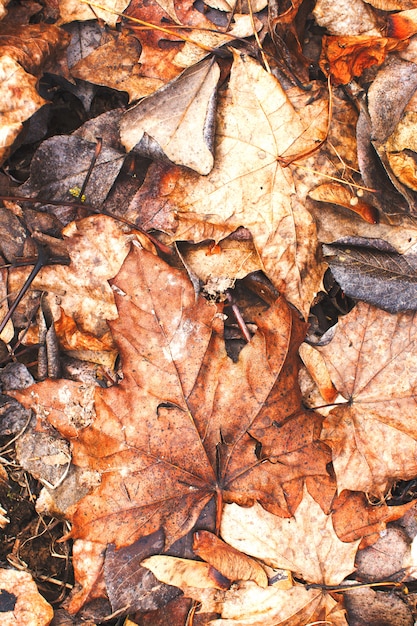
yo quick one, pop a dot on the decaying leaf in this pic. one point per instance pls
(21, 601)
(177, 122)
(25, 52)
(373, 271)
(186, 422)
(256, 126)
(84, 295)
(72, 10)
(306, 544)
(372, 364)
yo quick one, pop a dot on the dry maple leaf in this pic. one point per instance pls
(305, 544)
(186, 423)
(371, 361)
(256, 126)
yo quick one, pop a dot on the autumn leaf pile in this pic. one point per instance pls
(251, 147)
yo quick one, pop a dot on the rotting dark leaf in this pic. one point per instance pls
(372, 270)
(61, 164)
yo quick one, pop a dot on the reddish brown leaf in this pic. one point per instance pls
(227, 560)
(354, 517)
(186, 422)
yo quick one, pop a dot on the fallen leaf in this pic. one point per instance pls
(392, 5)
(74, 10)
(230, 562)
(115, 65)
(85, 296)
(305, 544)
(347, 17)
(248, 605)
(347, 57)
(184, 573)
(336, 193)
(371, 363)
(355, 517)
(25, 52)
(21, 601)
(177, 122)
(61, 163)
(256, 126)
(403, 24)
(372, 271)
(180, 387)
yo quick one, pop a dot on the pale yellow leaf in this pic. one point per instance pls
(184, 573)
(178, 120)
(305, 544)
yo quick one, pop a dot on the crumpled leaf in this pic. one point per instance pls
(249, 605)
(25, 52)
(179, 386)
(371, 361)
(114, 64)
(157, 61)
(336, 193)
(177, 122)
(307, 544)
(282, 543)
(84, 295)
(256, 126)
(347, 57)
(230, 562)
(245, 603)
(371, 270)
(400, 147)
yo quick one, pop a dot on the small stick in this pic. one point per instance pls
(41, 261)
(239, 319)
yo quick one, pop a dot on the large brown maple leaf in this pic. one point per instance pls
(186, 423)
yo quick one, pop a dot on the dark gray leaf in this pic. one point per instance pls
(375, 275)
(61, 164)
(130, 586)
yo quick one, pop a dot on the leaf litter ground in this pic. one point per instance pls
(190, 435)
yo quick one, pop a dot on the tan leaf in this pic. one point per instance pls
(371, 361)
(97, 242)
(230, 562)
(74, 10)
(115, 64)
(248, 605)
(256, 126)
(305, 544)
(184, 573)
(177, 122)
(30, 607)
(14, 111)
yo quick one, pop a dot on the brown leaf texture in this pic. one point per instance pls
(186, 422)
(371, 361)
(256, 126)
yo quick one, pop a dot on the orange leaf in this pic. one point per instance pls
(347, 57)
(227, 560)
(186, 423)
